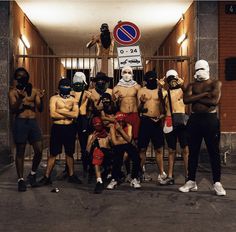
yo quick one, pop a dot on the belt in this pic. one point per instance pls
(211, 112)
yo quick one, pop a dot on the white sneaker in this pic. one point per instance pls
(189, 186)
(219, 190)
(135, 183)
(112, 184)
(161, 177)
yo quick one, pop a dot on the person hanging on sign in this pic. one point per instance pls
(105, 46)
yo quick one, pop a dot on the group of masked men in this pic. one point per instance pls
(115, 126)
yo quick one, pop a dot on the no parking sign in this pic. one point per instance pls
(126, 33)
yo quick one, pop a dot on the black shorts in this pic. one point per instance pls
(150, 130)
(62, 135)
(25, 129)
(179, 133)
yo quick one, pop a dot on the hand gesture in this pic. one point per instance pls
(143, 98)
(117, 94)
(161, 82)
(21, 93)
(180, 81)
(41, 93)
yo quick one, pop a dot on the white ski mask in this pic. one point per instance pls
(127, 74)
(202, 70)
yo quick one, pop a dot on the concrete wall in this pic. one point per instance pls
(5, 73)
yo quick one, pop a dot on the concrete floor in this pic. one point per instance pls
(153, 208)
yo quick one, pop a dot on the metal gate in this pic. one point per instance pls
(46, 70)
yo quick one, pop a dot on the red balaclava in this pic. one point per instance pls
(99, 127)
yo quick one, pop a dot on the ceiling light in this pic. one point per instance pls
(181, 38)
(25, 41)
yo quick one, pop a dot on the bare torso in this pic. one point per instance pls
(95, 97)
(203, 95)
(58, 103)
(178, 105)
(127, 97)
(152, 102)
(27, 108)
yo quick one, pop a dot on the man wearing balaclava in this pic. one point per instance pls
(24, 102)
(101, 86)
(203, 94)
(82, 96)
(151, 111)
(99, 148)
(175, 87)
(105, 46)
(125, 93)
(63, 111)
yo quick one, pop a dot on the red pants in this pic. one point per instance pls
(134, 120)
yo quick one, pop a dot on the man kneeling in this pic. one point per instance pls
(99, 148)
(121, 136)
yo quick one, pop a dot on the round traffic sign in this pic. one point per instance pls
(126, 33)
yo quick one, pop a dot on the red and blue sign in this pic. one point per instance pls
(126, 33)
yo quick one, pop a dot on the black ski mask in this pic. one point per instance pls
(150, 78)
(108, 104)
(105, 36)
(22, 78)
(101, 86)
(64, 87)
(173, 82)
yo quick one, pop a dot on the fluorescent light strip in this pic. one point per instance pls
(25, 41)
(181, 38)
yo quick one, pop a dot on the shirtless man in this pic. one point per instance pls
(125, 92)
(175, 86)
(24, 100)
(99, 146)
(204, 95)
(109, 110)
(101, 87)
(121, 136)
(81, 97)
(63, 110)
(150, 107)
(105, 46)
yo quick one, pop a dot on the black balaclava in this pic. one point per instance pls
(101, 83)
(22, 77)
(150, 78)
(108, 104)
(105, 36)
(64, 87)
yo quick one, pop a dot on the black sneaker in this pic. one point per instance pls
(22, 186)
(74, 179)
(45, 181)
(32, 180)
(168, 181)
(98, 188)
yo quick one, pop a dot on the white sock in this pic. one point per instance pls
(32, 173)
(20, 179)
(144, 169)
(99, 179)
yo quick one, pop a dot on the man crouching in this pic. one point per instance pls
(121, 136)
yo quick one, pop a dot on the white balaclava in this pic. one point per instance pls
(79, 77)
(202, 70)
(127, 74)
